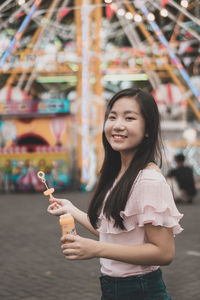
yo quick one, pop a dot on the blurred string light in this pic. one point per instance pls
(164, 12)
(181, 24)
(151, 17)
(185, 12)
(129, 16)
(184, 3)
(19, 33)
(172, 55)
(137, 3)
(121, 12)
(180, 7)
(137, 18)
(21, 2)
(190, 135)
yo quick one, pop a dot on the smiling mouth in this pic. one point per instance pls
(118, 137)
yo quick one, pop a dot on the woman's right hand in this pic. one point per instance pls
(59, 207)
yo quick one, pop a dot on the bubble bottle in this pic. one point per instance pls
(67, 224)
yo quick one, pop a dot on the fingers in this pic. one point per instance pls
(69, 248)
(69, 238)
(75, 247)
(56, 206)
(53, 200)
(55, 209)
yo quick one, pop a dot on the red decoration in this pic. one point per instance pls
(164, 2)
(63, 12)
(19, 15)
(109, 11)
(190, 49)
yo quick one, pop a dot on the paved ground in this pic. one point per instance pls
(32, 266)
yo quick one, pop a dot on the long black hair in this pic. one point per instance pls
(148, 151)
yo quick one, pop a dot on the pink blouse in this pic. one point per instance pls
(150, 201)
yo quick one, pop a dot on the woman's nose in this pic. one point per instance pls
(119, 125)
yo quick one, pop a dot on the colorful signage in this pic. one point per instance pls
(51, 106)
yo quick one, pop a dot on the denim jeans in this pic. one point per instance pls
(149, 286)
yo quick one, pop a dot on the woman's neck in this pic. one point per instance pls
(125, 162)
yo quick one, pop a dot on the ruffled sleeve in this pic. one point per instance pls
(151, 201)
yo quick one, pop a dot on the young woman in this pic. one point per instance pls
(132, 211)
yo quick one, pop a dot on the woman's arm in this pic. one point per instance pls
(159, 250)
(62, 206)
(83, 219)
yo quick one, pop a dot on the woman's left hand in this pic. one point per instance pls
(75, 247)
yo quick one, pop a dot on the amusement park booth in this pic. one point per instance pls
(34, 135)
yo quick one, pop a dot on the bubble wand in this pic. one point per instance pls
(67, 220)
(48, 192)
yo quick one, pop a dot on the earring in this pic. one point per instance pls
(146, 135)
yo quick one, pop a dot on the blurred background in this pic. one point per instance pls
(60, 63)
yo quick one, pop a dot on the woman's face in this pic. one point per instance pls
(125, 126)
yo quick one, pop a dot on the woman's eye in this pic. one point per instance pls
(111, 118)
(130, 118)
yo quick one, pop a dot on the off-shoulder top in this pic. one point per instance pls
(150, 201)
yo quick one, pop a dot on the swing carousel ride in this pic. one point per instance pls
(60, 61)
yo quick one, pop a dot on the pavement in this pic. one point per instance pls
(32, 266)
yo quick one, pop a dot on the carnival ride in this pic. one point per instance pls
(68, 57)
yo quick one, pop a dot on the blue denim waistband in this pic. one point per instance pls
(149, 275)
(149, 286)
